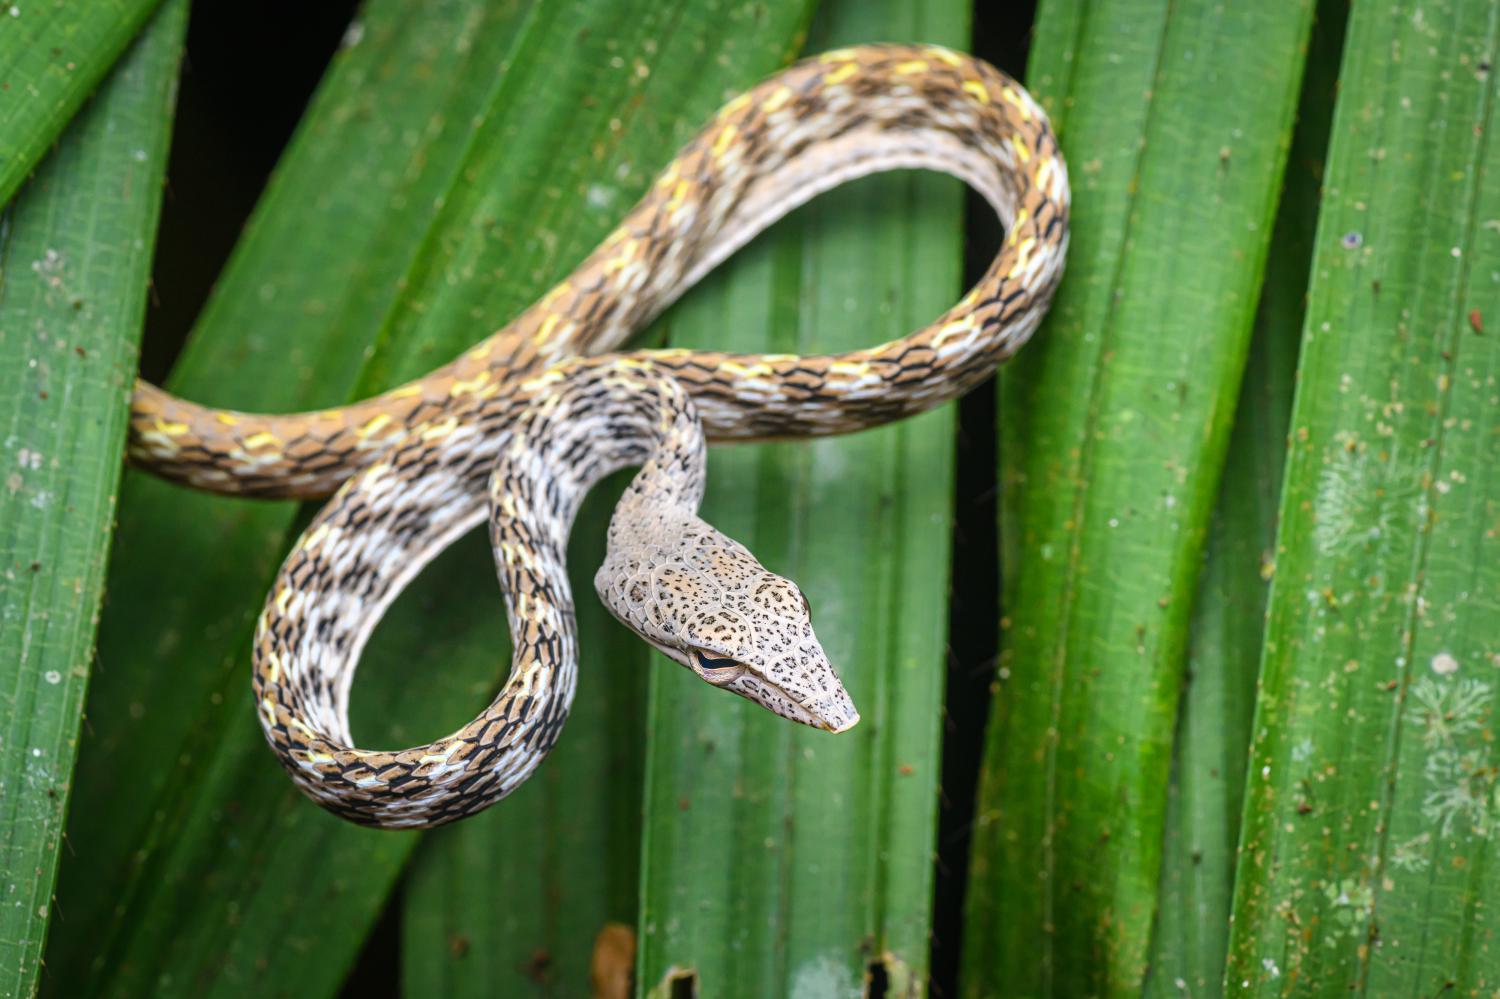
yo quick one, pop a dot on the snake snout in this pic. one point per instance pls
(821, 704)
(838, 714)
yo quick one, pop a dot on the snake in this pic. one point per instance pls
(517, 429)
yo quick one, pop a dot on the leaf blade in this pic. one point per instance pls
(51, 58)
(1114, 426)
(76, 248)
(1371, 805)
(1191, 940)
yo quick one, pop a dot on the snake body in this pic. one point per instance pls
(525, 422)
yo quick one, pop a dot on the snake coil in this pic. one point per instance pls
(525, 422)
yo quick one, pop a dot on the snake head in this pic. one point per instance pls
(703, 600)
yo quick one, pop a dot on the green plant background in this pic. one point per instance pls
(1246, 648)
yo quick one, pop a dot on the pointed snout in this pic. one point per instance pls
(835, 713)
(830, 709)
(827, 707)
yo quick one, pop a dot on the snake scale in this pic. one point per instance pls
(518, 428)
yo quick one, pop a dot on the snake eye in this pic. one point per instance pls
(709, 662)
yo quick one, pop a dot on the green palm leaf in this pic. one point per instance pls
(1114, 428)
(1213, 732)
(75, 253)
(52, 56)
(1367, 859)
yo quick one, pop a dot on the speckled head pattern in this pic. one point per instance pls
(703, 599)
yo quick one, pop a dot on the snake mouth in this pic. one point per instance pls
(832, 712)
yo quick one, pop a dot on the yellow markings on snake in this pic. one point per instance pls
(309, 542)
(958, 327)
(1017, 226)
(544, 331)
(844, 72)
(263, 439)
(1023, 106)
(741, 370)
(978, 90)
(1023, 256)
(779, 99)
(855, 368)
(734, 107)
(440, 429)
(1021, 151)
(911, 66)
(945, 56)
(724, 141)
(1044, 172)
(635, 385)
(374, 425)
(549, 377)
(839, 55)
(517, 555)
(171, 429)
(227, 419)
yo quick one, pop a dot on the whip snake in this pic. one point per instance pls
(523, 424)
